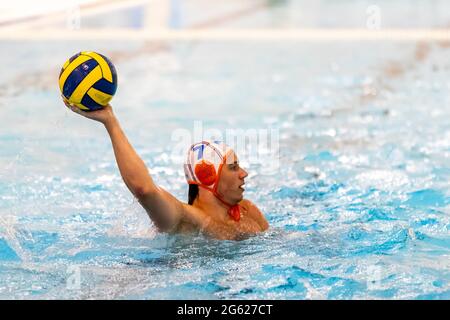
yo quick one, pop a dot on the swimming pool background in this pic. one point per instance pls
(358, 209)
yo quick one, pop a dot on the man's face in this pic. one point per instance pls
(231, 180)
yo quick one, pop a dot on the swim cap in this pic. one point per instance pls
(204, 163)
(203, 166)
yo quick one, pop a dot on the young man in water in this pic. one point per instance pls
(216, 204)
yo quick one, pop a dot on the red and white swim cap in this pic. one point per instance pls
(204, 162)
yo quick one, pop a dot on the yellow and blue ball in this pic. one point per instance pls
(88, 80)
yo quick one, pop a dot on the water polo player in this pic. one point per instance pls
(216, 206)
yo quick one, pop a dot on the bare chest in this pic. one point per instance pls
(224, 228)
(245, 225)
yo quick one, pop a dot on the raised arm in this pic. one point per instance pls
(163, 208)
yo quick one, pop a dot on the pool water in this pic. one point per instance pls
(359, 207)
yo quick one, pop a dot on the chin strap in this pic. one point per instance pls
(234, 211)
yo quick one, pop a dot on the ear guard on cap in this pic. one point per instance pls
(205, 172)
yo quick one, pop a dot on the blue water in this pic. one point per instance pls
(359, 208)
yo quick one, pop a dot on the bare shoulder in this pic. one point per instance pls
(250, 206)
(194, 216)
(253, 212)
